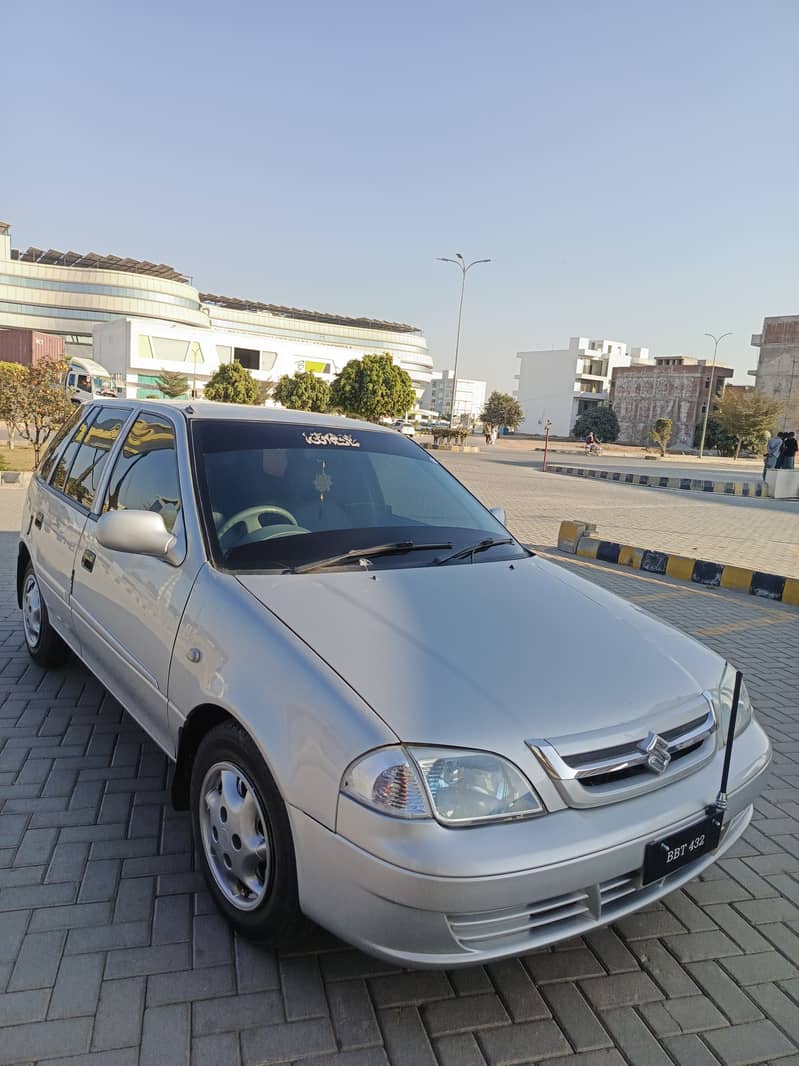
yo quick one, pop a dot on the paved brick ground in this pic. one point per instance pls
(761, 534)
(111, 953)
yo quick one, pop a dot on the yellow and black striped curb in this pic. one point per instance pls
(655, 481)
(578, 538)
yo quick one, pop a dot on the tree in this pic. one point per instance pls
(373, 388)
(502, 410)
(44, 404)
(715, 438)
(265, 391)
(748, 417)
(232, 383)
(12, 376)
(303, 392)
(172, 383)
(600, 420)
(661, 433)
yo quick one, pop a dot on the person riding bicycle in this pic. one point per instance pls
(591, 443)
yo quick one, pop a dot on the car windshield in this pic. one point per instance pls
(103, 385)
(280, 496)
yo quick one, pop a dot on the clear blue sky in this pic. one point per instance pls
(632, 168)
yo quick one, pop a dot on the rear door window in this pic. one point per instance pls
(85, 474)
(61, 468)
(53, 448)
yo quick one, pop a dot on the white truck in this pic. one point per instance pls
(85, 380)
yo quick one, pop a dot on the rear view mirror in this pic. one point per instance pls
(135, 532)
(499, 514)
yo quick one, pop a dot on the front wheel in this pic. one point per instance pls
(43, 643)
(243, 836)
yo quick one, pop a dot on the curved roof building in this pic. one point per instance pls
(73, 294)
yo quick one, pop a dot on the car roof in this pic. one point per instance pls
(240, 412)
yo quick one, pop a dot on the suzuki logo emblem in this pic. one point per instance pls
(657, 754)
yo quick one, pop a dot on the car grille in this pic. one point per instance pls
(560, 917)
(598, 774)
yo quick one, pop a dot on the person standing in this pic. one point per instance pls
(773, 449)
(778, 463)
(789, 448)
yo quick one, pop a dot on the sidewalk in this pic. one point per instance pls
(761, 534)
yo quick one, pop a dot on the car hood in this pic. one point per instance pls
(489, 654)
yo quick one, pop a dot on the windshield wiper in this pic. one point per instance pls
(470, 549)
(397, 548)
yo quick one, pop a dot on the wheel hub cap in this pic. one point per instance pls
(234, 837)
(31, 611)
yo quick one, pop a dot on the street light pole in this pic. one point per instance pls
(464, 268)
(715, 340)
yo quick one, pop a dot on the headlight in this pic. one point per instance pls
(457, 787)
(724, 703)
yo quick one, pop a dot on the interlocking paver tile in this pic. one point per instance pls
(286, 1042)
(755, 969)
(753, 1042)
(526, 1042)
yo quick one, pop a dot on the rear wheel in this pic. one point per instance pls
(43, 643)
(243, 836)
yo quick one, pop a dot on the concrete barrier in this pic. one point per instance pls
(577, 538)
(656, 481)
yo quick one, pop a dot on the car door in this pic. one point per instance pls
(126, 608)
(64, 489)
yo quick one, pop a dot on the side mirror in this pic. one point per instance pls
(499, 514)
(135, 532)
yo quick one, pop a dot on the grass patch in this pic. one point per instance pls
(20, 457)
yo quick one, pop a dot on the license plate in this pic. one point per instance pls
(663, 857)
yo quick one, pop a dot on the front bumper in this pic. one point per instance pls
(418, 894)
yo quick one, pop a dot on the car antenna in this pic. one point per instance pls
(720, 806)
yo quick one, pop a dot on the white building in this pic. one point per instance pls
(470, 396)
(562, 383)
(124, 301)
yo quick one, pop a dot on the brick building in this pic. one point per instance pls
(675, 387)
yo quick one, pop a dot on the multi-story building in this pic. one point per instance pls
(560, 384)
(674, 386)
(124, 301)
(777, 372)
(470, 397)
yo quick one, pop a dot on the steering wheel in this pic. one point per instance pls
(249, 516)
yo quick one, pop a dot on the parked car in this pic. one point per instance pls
(284, 602)
(408, 429)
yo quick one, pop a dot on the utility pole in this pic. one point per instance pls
(715, 340)
(464, 268)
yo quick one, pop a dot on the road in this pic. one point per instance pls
(111, 953)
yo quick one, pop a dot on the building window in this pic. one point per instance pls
(224, 353)
(248, 357)
(268, 360)
(170, 349)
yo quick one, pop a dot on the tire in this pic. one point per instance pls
(243, 837)
(44, 645)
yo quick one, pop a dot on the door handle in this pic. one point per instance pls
(87, 560)
(38, 519)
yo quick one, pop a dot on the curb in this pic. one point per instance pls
(654, 481)
(577, 539)
(17, 478)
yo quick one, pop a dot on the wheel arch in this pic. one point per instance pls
(23, 558)
(199, 722)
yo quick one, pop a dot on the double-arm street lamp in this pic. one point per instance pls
(464, 267)
(715, 340)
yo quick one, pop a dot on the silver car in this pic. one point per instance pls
(375, 697)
